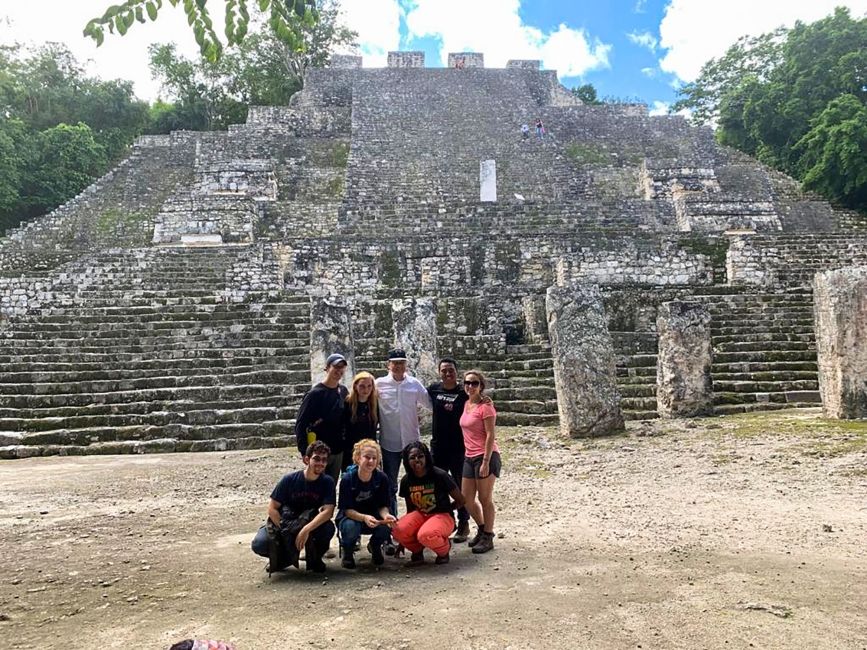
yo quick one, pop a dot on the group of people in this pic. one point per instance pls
(353, 444)
(540, 129)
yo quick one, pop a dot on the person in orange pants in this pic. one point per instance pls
(431, 497)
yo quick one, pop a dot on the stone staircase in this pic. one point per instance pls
(154, 360)
(764, 351)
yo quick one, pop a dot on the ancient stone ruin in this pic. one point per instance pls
(168, 307)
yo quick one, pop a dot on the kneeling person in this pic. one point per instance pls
(428, 491)
(365, 496)
(299, 515)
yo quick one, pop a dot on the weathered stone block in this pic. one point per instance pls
(415, 330)
(840, 309)
(330, 332)
(466, 60)
(414, 59)
(683, 380)
(588, 399)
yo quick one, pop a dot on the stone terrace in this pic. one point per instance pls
(168, 306)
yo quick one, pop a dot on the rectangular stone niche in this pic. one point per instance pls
(466, 60)
(406, 59)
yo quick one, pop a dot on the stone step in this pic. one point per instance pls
(526, 406)
(510, 365)
(527, 419)
(777, 375)
(227, 392)
(77, 356)
(640, 415)
(637, 390)
(175, 318)
(760, 331)
(88, 436)
(637, 361)
(759, 346)
(729, 386)
(505, 394)
(161, 445)
(279, 397)
(638, 403)
(270, 376)
(763, 356)
(731, 409)
(116, 341)
(116, 374)
(783, 397)
(724, 368)
(637, 372)
(180, 365)
(771, 337)
(198, 417)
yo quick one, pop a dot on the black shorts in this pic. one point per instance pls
(473, 463)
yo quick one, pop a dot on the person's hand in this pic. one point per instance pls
(484, 469)
(370, 521)
(389, 520)
(301, 538)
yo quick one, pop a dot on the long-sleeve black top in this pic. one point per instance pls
(321, 413)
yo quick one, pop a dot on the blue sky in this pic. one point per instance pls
(642, 49)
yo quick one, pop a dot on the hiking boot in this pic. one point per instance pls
(477, 537)
(444, 559)
(348, 562)
(462, 533)
(485, 544)
(317, 566)
(376, 553)
(389, 548)
(416, 559)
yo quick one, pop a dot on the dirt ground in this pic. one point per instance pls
(737, 532)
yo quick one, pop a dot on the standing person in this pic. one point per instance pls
(365, 496)
(540, 128)
(361, 415)
(482, 464)
(321, 414)
(447, 443)
(428, 491)
(400, 397)
(299, 513)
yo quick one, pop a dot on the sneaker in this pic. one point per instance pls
(444, 559)
(462, 533)
(316, 567)
(329, 554)
(376, 553)
(416, 559)
(388, 547)
(485, 544)
(348, 562)
(477, 537)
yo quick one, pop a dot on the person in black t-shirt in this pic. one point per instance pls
(447, 443)
(360, 414)
(320, 416)
(431, 495)
(307, 495)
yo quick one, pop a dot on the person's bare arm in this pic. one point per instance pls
(274, 511)
(458, 497)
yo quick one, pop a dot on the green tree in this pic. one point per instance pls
(833, 157)
(587, 94)
(286, 19)
(791, 99)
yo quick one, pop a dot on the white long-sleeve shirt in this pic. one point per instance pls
(398, 410)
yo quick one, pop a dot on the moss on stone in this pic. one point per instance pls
(587, 154)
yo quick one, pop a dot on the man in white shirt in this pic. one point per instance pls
(400, 396)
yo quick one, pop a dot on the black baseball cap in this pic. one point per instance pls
(396, 355)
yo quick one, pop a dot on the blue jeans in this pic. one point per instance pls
(391, 461)
(351, 531)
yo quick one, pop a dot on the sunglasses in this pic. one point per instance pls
(472, 383)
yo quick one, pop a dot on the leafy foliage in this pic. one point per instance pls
(797, 100)
(286, 19)
(60, 128)
(587, 94)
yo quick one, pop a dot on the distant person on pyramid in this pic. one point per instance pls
(321, 416)
(525, 131)
(400, 398)
(540, 128)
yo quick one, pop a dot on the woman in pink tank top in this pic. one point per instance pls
(482, 460)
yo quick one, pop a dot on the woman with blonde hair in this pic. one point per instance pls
(360, 414)
(362, 504)
(482, 461)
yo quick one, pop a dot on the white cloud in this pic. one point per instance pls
(494, 28)
(378, 25)
(639, 6)
(643, 39)
(662, 108)
(694, 31)
(648, 72)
